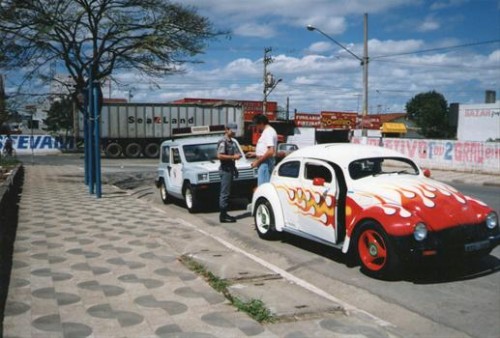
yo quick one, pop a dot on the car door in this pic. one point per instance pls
(317, 211)
(287, 185)
(175, 172)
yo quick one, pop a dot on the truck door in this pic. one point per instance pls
(318, 215)
(175, 172)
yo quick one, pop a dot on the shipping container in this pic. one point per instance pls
(135, 129)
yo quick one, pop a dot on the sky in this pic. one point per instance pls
(318, 75)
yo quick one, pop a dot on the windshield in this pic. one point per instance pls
(200, 152)
(381, 166)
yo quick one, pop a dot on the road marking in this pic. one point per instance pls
(285, 274)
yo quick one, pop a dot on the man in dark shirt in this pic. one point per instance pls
(227, 153)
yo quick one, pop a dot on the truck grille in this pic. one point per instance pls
(244, 174)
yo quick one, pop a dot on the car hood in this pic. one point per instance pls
(437, 204)
(214, 165)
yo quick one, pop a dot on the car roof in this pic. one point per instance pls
(343, 153)
(194, 140)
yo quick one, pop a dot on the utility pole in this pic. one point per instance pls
(287, 108)
(365, 75)
(268, 59)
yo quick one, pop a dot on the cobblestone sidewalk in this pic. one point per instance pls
(86, 267)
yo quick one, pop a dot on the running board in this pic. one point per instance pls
(312, 238)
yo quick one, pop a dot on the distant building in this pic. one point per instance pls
(479, 122)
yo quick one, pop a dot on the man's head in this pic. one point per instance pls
(231, 129)
(261, 121)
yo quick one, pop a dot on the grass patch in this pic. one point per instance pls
(8, 161)
(255, 308)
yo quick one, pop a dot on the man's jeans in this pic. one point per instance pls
(265, 170)
(226, 178)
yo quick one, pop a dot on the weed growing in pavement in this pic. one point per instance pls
(255, 308)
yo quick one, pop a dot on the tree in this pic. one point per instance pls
(60, 116)
(430, 112)
(152, 37)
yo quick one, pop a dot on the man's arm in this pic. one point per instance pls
(268, 154)
(224, 157)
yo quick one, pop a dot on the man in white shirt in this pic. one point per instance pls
(265, 149)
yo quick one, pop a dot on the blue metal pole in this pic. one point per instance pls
(97, 134)
(90, 108)
(86, 136)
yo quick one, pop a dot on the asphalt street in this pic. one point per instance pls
(427, 300)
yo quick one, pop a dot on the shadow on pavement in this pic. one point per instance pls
(461, 269)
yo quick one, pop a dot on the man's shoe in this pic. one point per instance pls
(227, 219)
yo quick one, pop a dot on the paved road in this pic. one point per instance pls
(428, 300)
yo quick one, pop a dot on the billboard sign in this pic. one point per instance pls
(338, 120)
(307, 120)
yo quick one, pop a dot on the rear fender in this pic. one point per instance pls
(269, 192)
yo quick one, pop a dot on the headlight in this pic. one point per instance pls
(203, 177)
(492, 220)
(420, 232)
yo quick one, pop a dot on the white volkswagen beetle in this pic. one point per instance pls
(374, 203)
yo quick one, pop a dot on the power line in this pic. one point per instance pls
(437, 49)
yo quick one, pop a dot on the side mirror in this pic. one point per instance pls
(427, 173)
(318, 181)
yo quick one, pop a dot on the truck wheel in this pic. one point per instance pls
(113, 150)
(165, 198)
(264, 219)
(375, 251)
(191, 199)
(133, 150)
(152, 150)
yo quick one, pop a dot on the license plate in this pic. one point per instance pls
(477, 246)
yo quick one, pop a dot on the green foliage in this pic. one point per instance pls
(60, 116)
(151, 37)
(430, 112)
(255, 308)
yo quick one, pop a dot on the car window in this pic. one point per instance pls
(164, 154)
(176, 157)
(314, 170)
(289, 169)
(200, 152)
(381, 166)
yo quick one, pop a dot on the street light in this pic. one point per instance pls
(363, 60)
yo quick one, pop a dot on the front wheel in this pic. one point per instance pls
(264, 219)
(376, 252)
(191, 199)
(165, 198)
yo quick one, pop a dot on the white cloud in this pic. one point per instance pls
(255, 30)
(327, 14)
(429, 24)
(438, 5)
(320, 47)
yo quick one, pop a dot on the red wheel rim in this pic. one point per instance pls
(372, 250)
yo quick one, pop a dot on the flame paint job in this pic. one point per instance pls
(311, 203)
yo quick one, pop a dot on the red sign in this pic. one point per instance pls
(370, 122)
(307, 120)
(338, 120)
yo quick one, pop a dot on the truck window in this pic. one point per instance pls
(164, 154)
(176, 157)
(317, 171)
(200, 152)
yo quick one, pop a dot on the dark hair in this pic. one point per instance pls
(261, 119)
